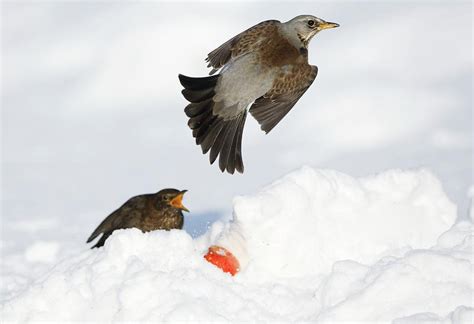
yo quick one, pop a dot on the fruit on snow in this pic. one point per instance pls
(223, 259)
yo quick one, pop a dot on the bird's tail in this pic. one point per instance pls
(102, 240)
(221, 137)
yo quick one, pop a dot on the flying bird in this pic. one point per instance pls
(265, 67)
(162, 210)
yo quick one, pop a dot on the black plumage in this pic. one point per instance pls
(149, 212)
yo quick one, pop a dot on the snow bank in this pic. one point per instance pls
(303, 223)
(436, 280)
(321, 246)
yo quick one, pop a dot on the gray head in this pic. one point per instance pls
(304, 27)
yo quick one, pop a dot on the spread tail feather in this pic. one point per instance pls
(221, 136)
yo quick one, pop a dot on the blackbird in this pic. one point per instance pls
(149, 212)
(265, 67)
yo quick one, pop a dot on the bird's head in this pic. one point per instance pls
(171, 198)
(304, 27)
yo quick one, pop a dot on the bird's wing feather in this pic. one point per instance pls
(287, 89)
(122, 217)
(217, 128)
(242, 43)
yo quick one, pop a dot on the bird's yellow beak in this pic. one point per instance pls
(177, 201)
(327, 25)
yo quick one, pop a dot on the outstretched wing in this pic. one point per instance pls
(287, 89)
(243, 43)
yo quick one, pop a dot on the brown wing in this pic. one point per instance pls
(242, 43)
(127, 216)
(287, 89)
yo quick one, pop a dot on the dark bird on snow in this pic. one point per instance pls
(266, 67)
(162, 210)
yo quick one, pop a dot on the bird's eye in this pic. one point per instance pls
(311, 23)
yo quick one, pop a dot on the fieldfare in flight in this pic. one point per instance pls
(266, 67)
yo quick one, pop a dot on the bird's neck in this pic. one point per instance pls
(293, 37)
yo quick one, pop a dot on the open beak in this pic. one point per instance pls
(327, 25)
(177, 201)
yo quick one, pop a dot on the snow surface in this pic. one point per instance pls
(368, 218)
(321, 246)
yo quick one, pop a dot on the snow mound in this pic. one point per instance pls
(382, 256)
(303, 223)
(412, 284)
